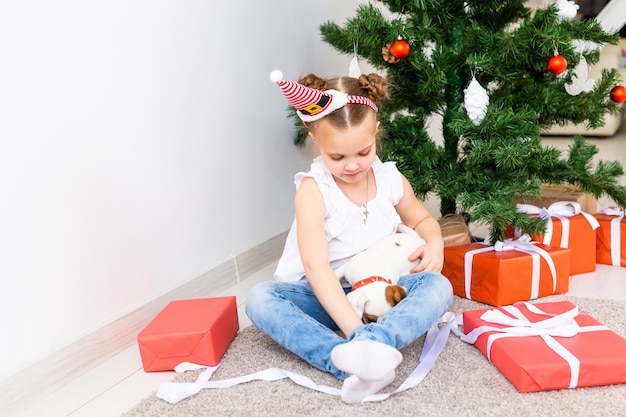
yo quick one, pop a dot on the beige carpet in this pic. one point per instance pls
(462, 383)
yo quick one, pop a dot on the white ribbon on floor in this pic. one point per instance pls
(435, 341)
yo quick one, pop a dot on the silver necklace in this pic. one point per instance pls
(364, 204)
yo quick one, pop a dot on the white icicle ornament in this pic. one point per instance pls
(476, 101)
(354, 70)
(580, 79)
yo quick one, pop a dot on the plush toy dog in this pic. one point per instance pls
(374, 273)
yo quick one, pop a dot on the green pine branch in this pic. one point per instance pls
(481, 170)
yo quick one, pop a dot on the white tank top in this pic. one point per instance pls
(346, 232)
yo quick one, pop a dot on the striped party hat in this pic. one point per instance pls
(312, 104)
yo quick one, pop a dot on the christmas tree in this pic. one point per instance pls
(489, 69)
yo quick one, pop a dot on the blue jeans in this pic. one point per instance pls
(289, 313)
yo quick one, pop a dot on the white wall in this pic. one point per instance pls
(141, 144)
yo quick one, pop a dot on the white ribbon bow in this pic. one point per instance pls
(435, 341)
(613, 211)
(616, 239)
(523, 244)
(561, 325)
(561, 210)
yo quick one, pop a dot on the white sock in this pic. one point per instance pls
(371, 365)
(354, 389)
(367, 359)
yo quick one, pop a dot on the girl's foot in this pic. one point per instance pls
(371, 365)
(354, 389)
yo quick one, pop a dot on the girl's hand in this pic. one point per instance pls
(415, 215)
(431, 258)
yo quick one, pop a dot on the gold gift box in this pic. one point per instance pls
(454, 230)
(565, 192)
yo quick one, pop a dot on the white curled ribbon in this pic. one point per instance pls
(616, 242)
(435, 341)
(523, 244)
(560, 325)
(561, 210)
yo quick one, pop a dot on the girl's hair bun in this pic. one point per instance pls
(313, 81)
(375, 84)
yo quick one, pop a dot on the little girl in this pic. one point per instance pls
(346, 202)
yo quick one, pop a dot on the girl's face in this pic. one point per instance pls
(348, 153)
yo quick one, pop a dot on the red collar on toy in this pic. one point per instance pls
(369, 280)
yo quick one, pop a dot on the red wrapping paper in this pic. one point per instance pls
(606, 242)
(197, 331)
(568, 227)
(531, 365)
(582, 241)
(501, 278)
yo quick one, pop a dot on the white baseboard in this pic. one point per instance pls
(74, 360)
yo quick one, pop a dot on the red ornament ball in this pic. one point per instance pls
(400, 49)
(557, 64)
(618, 94)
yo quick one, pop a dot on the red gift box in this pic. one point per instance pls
(611, 237)
(197, 331)
(568, 227)
(569, 349)
(500, 277)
